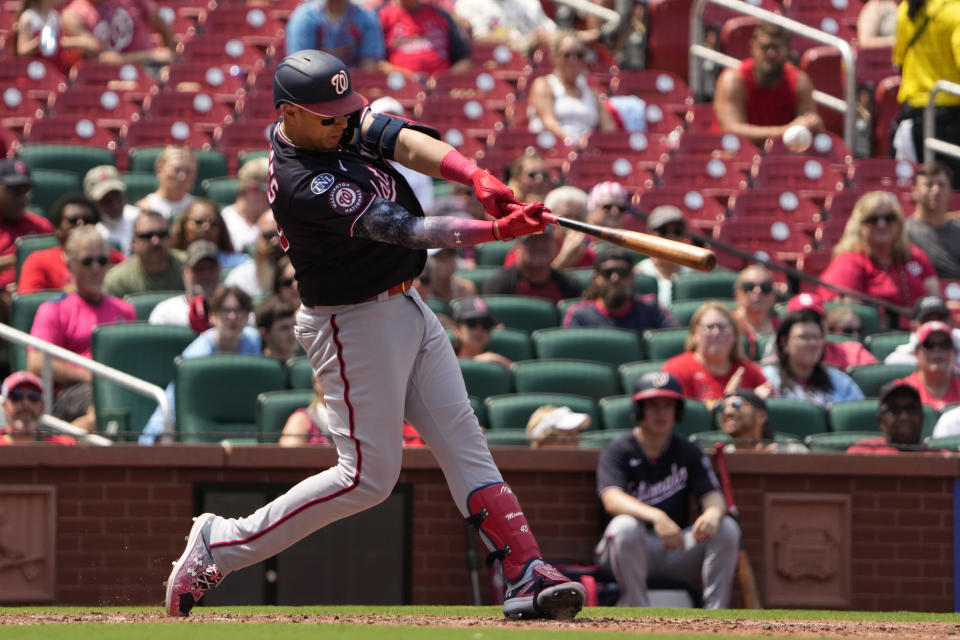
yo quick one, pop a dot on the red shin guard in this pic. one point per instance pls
(495, 511)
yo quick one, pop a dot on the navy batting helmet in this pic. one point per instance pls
(657, 384)
(316, 81)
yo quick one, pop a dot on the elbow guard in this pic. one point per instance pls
(383, 132)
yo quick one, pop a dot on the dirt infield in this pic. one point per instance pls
(700, 625)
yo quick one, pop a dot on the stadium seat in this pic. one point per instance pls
(839, 205)
(764, 237)
(617, 414)
(874, 64)
(660, 121)
(610, 345)
(254, 26)
(25, 245)
(740, 151)
(160, 131)
(858, 415)
(883, 344)
(139, 184)
(210, 164)
(736, 34)
(438, 305)
(642, 148)
(22, 310)
(683, 310)
(144, 301)
(146, 351)
(798, 211)
(663, 344)
(820, 442)
(808, 177)
(108, 109)
(242, 135)
(885, 109)
(493, 93)
(588, 170)
(871, 377)
(654, 86)
(70, 130)
(223, 191)
(199, 108)
(869, 316)
(629, 372)
(826, 146)
(465, 114)
(485, 378)
(888, 174)
(17, 109)
(813, 263)
(713, 177)
(50, 184)
(222, 48)
(479, 410)
(500, 61)
(299, 373)
(216, 396)
(668, 36)
(717, 285)
(825, 67)
(699, 211)
(521, 312)
(65, 157)
(950, 443)
(273, 408)
(492, 254)
(581, 377)
(36, 76)
(131, 81)
(375, 84)
(795, 416)
(514, 344)
(512, 411)
(706, 439)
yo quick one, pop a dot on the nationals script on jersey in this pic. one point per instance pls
(317, 198)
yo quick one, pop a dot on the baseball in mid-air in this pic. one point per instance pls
(797, 138)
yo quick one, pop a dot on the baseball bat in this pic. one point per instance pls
(745, 575)
(679, 252)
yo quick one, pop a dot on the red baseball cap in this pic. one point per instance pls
(929, 328)
(19, 378)
(803, 301)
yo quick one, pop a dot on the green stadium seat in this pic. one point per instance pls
(477, 275)
(139, 184)
(716, 285)
(582, 275)
(869, 316)
(858, 415)
(485, 378)
(796, 417)
(521, 312)
(274, 407)
(144, 301)
(223, 191)
(819, 442)
(25, 245)
(216, 396)
(706, 439)
(514, 344)
(644, 284)
(950, 443)
(629, 372)
(617, 414)
(613, 346)
(600, 439)
(22, 310)
(871, 377)
(683, 310)
(299, 373)
(439, 306)
(492, 254)
(579, 377)
(144, 350)
(512, 411)
(663, 344)
(600, 246)
(210, 164)
(65, 157)
(563, 306)
(50, 184)
(883, 344)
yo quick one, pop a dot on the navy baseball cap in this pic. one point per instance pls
(14, 173)
(317, 82)
(657, 384)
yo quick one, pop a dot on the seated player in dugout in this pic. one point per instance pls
(357, 238)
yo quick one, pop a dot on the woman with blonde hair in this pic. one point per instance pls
(713, 363)
(176, 169)
(874, 256)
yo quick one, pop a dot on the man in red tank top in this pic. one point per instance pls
(765, 94)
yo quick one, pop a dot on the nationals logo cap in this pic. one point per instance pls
(316, 81)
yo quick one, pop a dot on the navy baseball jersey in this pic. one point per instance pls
(665, 483)
(317, 199)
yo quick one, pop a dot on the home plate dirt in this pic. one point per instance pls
(765, 628)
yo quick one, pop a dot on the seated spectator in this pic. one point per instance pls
(799, 373)
(339, 27)
(176, 169)
(22, 409)
(105, 188)
(948, 424)
(124, 30)
(753, 293)
(645, 480)
(230, 308)
(575, 247)
(844, 321)
(532, 274)
(714, 364)
(529, 178)
(877, 24)
(562, 102)
(152, 267)
(310, 425)
(445, 284)
(47, 268)
(38, 33)
(842, 355)
(765, 95)
(900, 417)
(421, 184)
(421, 39)
(608, 204)
(522, 25)
(929, 227)
(742, 415)
(926, 309)
(472, 326)
(610, 301)
(69, 320)
(256, 276)
(285, 283)
(276, 319)
(202, 221)
(201, 276)
(667, 222)
(934, 378)
(241, 217)
(874, 256)
(15, 221)
(552, 427)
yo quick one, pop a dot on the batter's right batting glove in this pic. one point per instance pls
(496, 197)
(522, 222)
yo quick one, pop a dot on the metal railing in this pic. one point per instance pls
(51, 351)
(930, 143)
(848, 106)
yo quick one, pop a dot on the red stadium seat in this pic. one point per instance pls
(701, 118)
(182, 19)
(108, 109)
(668, 33)
(764, 237)
(839, 205)
(715, 16)
(827, 22)
(163, 130)
(660, 120)
(242, 135)
(808, 177)
(196, 107)
(714, 177)
(885, 109)
(829, 232)
(881, 173)
(787, 205)
(128, 80)
(702, 212)
(825, 68)
(513, 143)
(69, 129)
(844, 10)
(466, 115)
(826, 145)
(813, 263)
(644, 149)
(874, 64)
(17, 108)
(226, 83)
(34, 76)
(257, 106)
(501, 61)
(375, 84)
(587, 170)
(220, 49)
(662, 88)
(727, 146)
(736, 34)
(254, 25)
(492, 92)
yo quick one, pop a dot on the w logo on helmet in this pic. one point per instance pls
(340, 82)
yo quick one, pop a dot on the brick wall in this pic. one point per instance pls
(123, 513)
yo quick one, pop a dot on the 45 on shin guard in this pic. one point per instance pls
(496, 513)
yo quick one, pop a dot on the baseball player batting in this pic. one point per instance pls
(357, 238)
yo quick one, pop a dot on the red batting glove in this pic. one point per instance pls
(496, 197)
(522, 222)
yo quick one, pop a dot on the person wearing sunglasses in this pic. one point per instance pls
(69, 321)
(874, 256)
(22, 394)
(285, 283)
(154, 266)
(666, 221)
(900, 419)
(934, 377)
(46, 269)
(608, 204)
(529, 177)
(201, 276)
(473, 324)
(176, 169)
(532, 273)
(927, 309)
(610, 300)
(742, 415)
(753, 292)
(202, 221)
(799, 373)
(15, 221)
(929, 227)
(562, 102)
